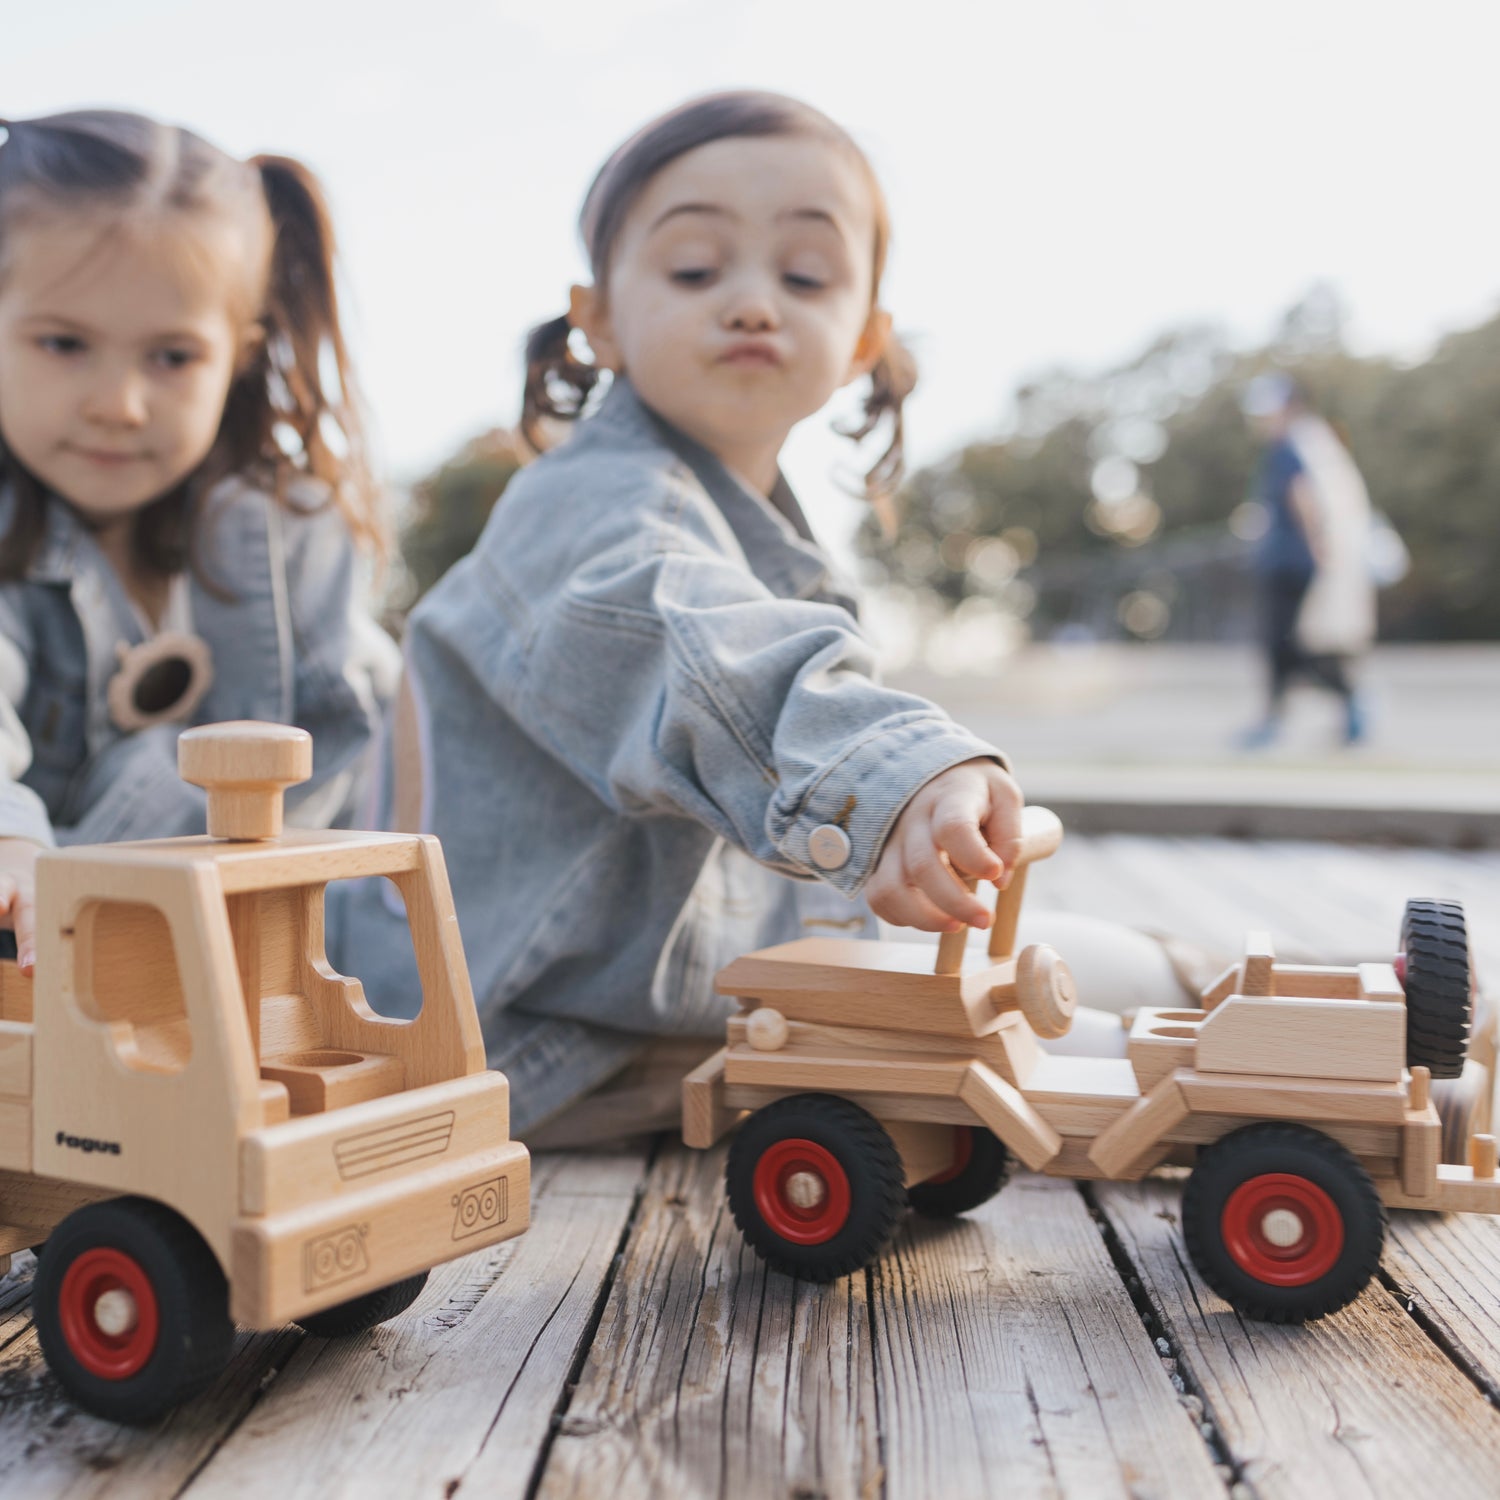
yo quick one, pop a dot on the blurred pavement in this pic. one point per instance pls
(1141, 738)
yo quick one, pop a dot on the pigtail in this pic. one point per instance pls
(557, 381)
(303, 342)
(892, 380)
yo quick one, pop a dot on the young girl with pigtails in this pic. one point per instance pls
(642, 702)
(183, 487)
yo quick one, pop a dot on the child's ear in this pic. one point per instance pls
(587, 313)
(872, 344)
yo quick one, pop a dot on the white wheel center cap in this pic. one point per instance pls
(115, 1313)
(1282, 1228)
(805, 1190)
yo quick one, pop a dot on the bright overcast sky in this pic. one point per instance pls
(1066, 177)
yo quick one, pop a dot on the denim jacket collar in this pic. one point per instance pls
(56, 557)
(774, 534)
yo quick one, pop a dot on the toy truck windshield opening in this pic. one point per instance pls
(225, 967)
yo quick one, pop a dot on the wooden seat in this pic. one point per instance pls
(329, 1078)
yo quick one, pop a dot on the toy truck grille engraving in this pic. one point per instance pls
(393, 1145)
(479, 1208)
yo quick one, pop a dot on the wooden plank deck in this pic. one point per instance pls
(1054, 1343)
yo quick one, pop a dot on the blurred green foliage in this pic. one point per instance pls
(447, 512)
(1106, 479)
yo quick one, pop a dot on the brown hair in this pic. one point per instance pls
(282, 419)
(558, 383)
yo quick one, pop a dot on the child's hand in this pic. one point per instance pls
(18, 896)
(972, 815)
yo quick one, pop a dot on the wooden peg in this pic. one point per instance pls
(1421, 1087)
(1041, 833)
(766, 1029)
(950, 958)
(1482, 1156)
(245, 767)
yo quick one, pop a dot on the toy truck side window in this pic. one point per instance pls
(126, 976)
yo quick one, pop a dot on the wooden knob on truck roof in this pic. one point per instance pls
(245, 767)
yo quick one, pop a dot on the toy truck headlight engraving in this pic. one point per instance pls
(479, 1208)
(331, 1258)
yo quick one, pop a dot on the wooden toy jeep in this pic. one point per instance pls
(1299, 1097)
(207, 1125)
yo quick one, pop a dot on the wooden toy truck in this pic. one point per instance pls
(207, 1125)
(1297, 1095)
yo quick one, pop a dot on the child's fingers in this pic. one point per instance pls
(906, 906)
(957, 832)
(24, 911)
(936, 879)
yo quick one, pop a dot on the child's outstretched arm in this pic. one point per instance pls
(964, 822)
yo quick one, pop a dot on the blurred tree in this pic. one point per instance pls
(448, 511)
(1113, 504)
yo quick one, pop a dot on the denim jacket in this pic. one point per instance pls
(640, 676)
(287, 645)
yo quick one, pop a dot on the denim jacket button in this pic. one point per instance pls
(829, 847)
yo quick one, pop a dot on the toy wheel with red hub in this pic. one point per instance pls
(980, 1168)
(1434, 967)
(360, 1313)
(131, 1309)
(1282, 1222)
(815, 1185)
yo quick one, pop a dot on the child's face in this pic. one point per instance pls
(115, 361)
(738, 295)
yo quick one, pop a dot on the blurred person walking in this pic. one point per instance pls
(1313, 563)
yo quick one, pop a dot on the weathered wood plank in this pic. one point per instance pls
(1447, 1268)
(460, 1392)
(711, 1377)
(48, 1447)
(1010, 1359)
(480, 1359)
(999, 1345)
(1361, 1403)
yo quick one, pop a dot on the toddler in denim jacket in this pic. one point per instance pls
(180, 490)
(643, 673)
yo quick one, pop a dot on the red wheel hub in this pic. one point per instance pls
(108, 1312)
(1282, 1229)
(963, 1154)
(801, 1191)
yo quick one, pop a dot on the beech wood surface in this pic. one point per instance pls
(1054, 1342)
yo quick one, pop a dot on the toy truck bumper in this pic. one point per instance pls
(319, 1255)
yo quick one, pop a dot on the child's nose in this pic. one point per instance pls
(117, 398)
(751, 307)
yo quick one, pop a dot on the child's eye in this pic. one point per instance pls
(174, 359)
(693, 275)
(61, 343)
(801, 282)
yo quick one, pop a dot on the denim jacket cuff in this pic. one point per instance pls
(23, 815)
(861, 797)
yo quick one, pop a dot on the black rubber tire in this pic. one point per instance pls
(1439, 986)
(1258, 1150)
(981, 1177)
(195, 1334)
(360, 1313)
(869, 1159)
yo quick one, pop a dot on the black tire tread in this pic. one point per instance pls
(1250, 1298)
(873, 1149)
(1439, 1005)
(198, 1280)
(358, 1314)
(987, 1171)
